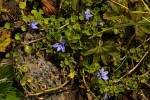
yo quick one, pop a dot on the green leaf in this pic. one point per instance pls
(94, 81)
(104, 59)
(67, 62)
(92, 68)
(7, 25)
(87, 32)
(27, 49)
(49, 49)
(96, 58)
(76, 37)
(115, 7)
(116, 31)
(74, 18)
(81, 17)
(39, 44)
(77, 26)
(18, 36)
(75, 4)
(143, 29)
(91, 51)
(37, 14)
(23, 28)
(5, 85)
(25, 18)
(109, 16)
(96, 10)
(24, 68)
(22, 5)
(58, 37)
(7, 92)
(41, 11)
(7, 71)
(61, 19)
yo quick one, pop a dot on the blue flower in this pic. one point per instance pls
(103, 74)
(87, 14)
(99, 23)
(106, 97)
(60, 46)
(33, 24)
(106, 2)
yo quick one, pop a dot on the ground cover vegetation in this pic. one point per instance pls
(95, 49)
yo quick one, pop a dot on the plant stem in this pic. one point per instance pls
(49, 90)
(129, 72)
(88, 89)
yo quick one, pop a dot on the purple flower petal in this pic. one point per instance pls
(56, 45)
(106, 97)
(99, 23)
(88, 17)
(87, 14)
(105, 73)
(63, 42)
(33, 24)
(87, 11)
(60, 46)
(34, 27)
(99, 76)
(105, 77)
(63, 49)
(102, 70)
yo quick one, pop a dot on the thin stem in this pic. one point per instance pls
(49, 90)
(63, 26)
(121, 63)
(140, 12)
(32, 41)
(144, 42)
(88, 89)
(146, 84)
(129, 72)
(144, 74)
(35, 40)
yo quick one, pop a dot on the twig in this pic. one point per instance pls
(146, 84)
(129, 72)
(49, 90)
(88, 89)
(121, 63)
(125, 57)
(144, 42)
(63, 26)
(35, 40)
(144, 74)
